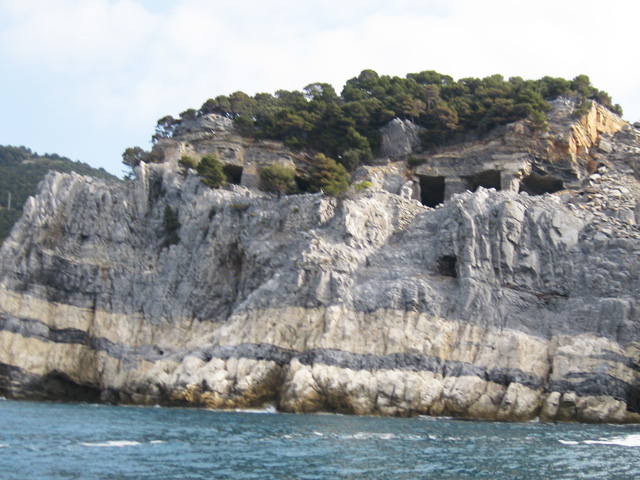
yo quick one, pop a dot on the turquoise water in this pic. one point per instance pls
(61, 441)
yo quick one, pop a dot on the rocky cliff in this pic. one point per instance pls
(500, 303)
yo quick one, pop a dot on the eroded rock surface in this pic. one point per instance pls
(400, 138)
(495, 305)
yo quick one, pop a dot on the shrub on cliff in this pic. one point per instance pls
(351, 158)
(328, 176)
(362, 186)
(211, 173)
(171, 226)
(133, 156)
(582, 109)
(278, 179)
(186, 163)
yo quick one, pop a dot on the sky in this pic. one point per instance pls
(88, 78)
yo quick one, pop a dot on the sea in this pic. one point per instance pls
(49, 441)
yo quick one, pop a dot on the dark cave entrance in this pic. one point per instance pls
(302, 183)
(431, 190)
(540, 183)
(446, 266)
(486, 179)
(633, 402)
(59, 386)
(233, 173)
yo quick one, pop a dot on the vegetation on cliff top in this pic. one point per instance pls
(20, 172)
(346, 126)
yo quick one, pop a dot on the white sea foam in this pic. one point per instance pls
(271, 408)
(369, 436)
(628, 441)
(2, 445)
(568, 442)
(112, 443)
(157, 442)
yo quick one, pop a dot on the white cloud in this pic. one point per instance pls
(125, 63)
(72, 36)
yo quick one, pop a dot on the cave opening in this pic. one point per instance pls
(539, 184)
(633, 401)
(233, 173)
(487, 179)
(302, 183)
(59, 386)
(446, 266)
(431, 190)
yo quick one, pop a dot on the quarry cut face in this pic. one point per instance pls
(503, 288)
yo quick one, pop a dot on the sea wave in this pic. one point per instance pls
(431, 418)
(271, 408)
(369, 436)
(112, 443)
(628, 441)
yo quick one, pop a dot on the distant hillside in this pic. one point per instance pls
(20, 172)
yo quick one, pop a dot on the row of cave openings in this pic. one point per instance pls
(432, 192)
(234, 176)
(432, 188)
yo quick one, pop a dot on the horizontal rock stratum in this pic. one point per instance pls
(494, 305)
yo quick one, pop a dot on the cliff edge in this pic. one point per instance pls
(499, 303)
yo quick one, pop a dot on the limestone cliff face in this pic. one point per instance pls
(495, 304)
(573, 143)
(400, 138)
